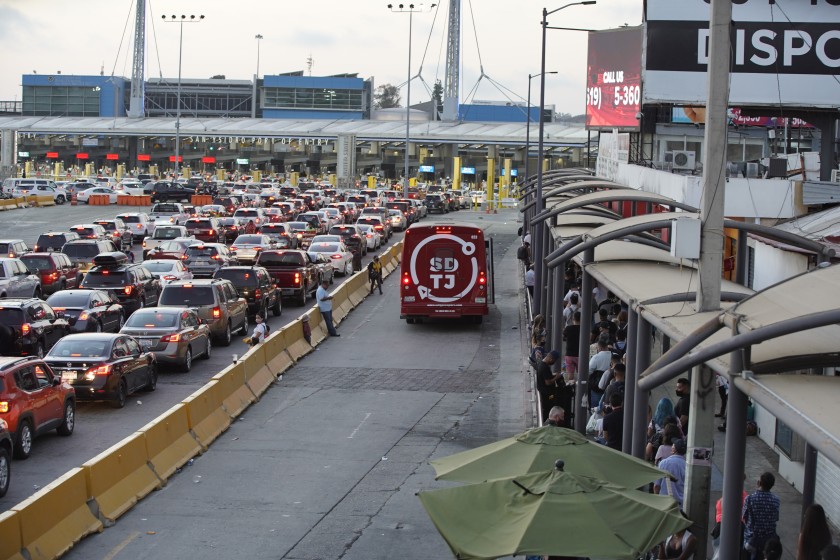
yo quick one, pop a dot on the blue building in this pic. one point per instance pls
(58, 95)
(295, 96)
(500, 111)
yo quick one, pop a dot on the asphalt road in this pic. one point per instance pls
(327, 463)
(98, 426)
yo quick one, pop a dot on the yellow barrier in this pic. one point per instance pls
(120, 476)
(276, 354)
(316, 323)
(236, 395)
(205, 413)
(359, 288)
(56, 517)
(44, 201)
(258, 376)
(341, 303)
(169, 442)
(10, 543)
(296, 345)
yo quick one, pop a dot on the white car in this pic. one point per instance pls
(340, 257)
(59, 194)
(84, 196)
(398, 221)
(131, 187)
(335, 214)
(168, 270)
(372, 237)
(327, 239)
(420, 208)
(138, 222)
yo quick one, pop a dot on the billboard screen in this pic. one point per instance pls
(613, 81)
(785, 52)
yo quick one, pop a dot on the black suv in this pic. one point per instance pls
(255, 285)
(29, 327)
(167, 191)
(54, 240)
(436, 203)
(352, 237)
(5, 458)
(133, 284)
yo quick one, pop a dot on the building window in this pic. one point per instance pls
(61, 101)
(325, 99)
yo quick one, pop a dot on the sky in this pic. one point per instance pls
(85, 37)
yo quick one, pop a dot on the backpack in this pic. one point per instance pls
(267, 329)
(371, 273)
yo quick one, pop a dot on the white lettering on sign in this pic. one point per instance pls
(614, 77)
(441, 270)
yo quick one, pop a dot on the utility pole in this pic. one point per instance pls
(136, 108)
(702, 410)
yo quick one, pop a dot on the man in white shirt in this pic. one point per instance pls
(325, 305)
(600, 363)
(530, 279)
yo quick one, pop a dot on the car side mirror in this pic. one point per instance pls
(56, 381)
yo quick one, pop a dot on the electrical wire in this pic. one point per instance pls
(154, 35)
(122, 39)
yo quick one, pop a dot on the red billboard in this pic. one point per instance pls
(112, 157)
(144, 157)
(614, 79)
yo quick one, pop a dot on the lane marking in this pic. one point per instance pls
(353, 433)
(119, 548)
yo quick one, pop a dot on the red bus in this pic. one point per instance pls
(446, 271)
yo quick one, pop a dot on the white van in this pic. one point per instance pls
(12, 183)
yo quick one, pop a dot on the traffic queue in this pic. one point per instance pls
(94, 313)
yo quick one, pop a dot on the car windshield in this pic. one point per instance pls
(33, 262)
(104, 277)
(228, 222)
(70, 299)
(87, 250)
(166, 233)
(85, 231)
(188, 295)
(310, 219)
(145, 318)
(172, 246)
(246, 213)
(198, 224)
(11, 316)
(130, 219)
(276, 259)
(109, 226)
(238, 276)
(80, 348)
(159, 266)
(364, 228)
(325, 248)
(50, 241)
(202, 252)
(158, 208)
(249, 240)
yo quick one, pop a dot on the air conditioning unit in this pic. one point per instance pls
(669, 157)
(684, 159)
(835, 175)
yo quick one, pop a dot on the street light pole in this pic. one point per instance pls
(181, 21)
(258, 37)
(528, 133)
(410, 9)
(538, 234)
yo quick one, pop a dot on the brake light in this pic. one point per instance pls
(25, 329)
(297, 277)
(234, 248)
(257, 293)
(127, 290)
(217, 312)
(4, 406)
(98, 370)
(406, 279)
(212, 232)
(184, 257)
(377, 227)
(336, 256)
(170, 277)
(139, 226)
(171, 337)
(84, 316)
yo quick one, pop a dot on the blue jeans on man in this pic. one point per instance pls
(328, 320)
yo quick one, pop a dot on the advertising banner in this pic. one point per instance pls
(613, 80)
(784, 52)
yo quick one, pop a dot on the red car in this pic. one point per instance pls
(208, 230)
(56, 270)
(33, 400)
(175, 249)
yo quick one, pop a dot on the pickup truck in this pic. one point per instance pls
(162, 233)
(293, 271)
(169, 213)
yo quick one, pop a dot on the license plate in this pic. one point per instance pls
(69, 375)
(147, 343)
(288, 291)
(480, 300)
(408, 299)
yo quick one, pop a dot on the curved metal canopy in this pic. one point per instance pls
(604, 197)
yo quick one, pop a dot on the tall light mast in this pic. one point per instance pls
(136, 106)
(453, 62)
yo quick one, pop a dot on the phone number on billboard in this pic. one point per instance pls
(622, 95)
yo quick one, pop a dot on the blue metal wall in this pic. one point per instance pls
(301, 114)
(112, 91)
(496, 113)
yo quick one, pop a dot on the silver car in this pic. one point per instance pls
(175, 335)
(16, 280)
(204, 259)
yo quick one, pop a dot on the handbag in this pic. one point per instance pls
(716, 531)
(592, 424)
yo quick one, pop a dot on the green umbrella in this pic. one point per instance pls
(552, 513)
(536, 450)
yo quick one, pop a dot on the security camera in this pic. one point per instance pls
(639, 116)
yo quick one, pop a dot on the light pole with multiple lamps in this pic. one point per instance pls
(410, 9)
(259, 38)
(539, 232)
(180, 20)
(528, 129)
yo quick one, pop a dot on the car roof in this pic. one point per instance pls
(16, 302)
(7, 362)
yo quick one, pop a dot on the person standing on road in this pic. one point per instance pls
(325, 305)
(375, 274)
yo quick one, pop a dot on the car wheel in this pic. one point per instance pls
(278, 306)
(39, 349)
(332, 277)
(348, 268)
(97, 326)
(208, 349)
(186, 365)
(122, 322)
(301, 298)
(60, 199)
(5, 471)
(244, 328)
(409, 320)
(37, 293)
(142, 302)
(121, 396)
(23, 442)
(226, 337)
(66, 427)
(62, 285)
(151, 385)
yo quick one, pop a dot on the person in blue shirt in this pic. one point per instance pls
(675, 466)
(760, 514)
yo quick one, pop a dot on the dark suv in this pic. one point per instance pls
(208, 230)
(36, 402)
(436, 203)
(352, 237)
(118, 232)
(167, 191)
(54, 240)
(29, 327)
(56, 271)
(255, 285)
(215, 301)
(133, 284)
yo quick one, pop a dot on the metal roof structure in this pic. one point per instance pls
(431, 132)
